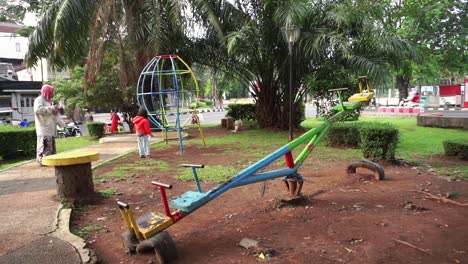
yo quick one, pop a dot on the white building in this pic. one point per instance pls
(13, 48)
(17, 93)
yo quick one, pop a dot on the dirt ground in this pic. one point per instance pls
(342, 218)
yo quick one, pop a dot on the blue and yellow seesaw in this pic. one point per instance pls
(148, 232)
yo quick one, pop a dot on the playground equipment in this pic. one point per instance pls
(147, 233)
(167, 87)
(364, 94)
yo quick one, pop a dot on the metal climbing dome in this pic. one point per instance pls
(168, 89)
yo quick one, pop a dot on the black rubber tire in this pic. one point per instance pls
(163, 245)
(379, 172)
(129, 242)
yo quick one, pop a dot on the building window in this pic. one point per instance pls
(18, 47)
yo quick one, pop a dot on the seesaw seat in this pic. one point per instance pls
(359, 97)
(189, 201)
(153, 223)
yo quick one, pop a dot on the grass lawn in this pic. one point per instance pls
(414, 140)
(418, 144)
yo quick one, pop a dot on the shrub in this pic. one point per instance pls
(299, 113)
(17, 142)
(245, 112)
(463, 154)
(456, 148)
(379, 141)
(344, 135)
(96, 129)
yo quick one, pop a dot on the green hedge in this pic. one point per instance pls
(17, 142)
(245, 112)
(344, 135)
(379, 141)
(96, 129)
(456, 148)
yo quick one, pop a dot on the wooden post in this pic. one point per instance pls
(73, 173)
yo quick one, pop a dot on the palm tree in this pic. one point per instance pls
(252, 47)
(76, 32)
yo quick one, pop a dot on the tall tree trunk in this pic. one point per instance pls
(95, 57)
(402, 83)
(139, 48)
(214, 87)
(272, 108)
(89, 69)
(123, 78)
(106, 21)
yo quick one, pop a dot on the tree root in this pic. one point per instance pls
(438, 198)
(413, 246)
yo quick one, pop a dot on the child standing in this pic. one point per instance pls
(143, 131)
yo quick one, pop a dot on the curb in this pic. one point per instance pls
(426, 108)
(63, 232)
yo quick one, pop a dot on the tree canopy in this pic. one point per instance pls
(242, 41)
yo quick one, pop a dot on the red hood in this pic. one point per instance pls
(138, 120)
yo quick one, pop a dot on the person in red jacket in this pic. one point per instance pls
(114, 122)
(416, 98)
(143, 131)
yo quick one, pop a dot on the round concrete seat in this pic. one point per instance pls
(70, 158)
(73, 173)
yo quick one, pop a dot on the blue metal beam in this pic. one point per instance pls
(248, 172)
(265, 176)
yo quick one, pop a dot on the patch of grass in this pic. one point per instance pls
(163, 146)
(216, 174)
(453, 172)
(131, 169)
(70, 143)
(5, 164)
(107, 192)
(452, 194)
(245, 139)
(84, 231)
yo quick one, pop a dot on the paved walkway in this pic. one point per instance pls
(34, 228)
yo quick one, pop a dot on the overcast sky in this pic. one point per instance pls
(30, 19)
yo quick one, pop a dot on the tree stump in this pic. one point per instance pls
(230, 123)
(74, 181)
(224, 122)
(73, 173)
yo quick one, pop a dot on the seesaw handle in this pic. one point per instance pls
(193, 165)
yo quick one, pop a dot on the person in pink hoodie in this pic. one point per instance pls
(143, 131)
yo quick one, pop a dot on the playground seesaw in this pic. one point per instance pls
(148, 232)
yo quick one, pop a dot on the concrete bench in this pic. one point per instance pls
(73, 173)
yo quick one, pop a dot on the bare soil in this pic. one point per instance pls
(342, 218)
